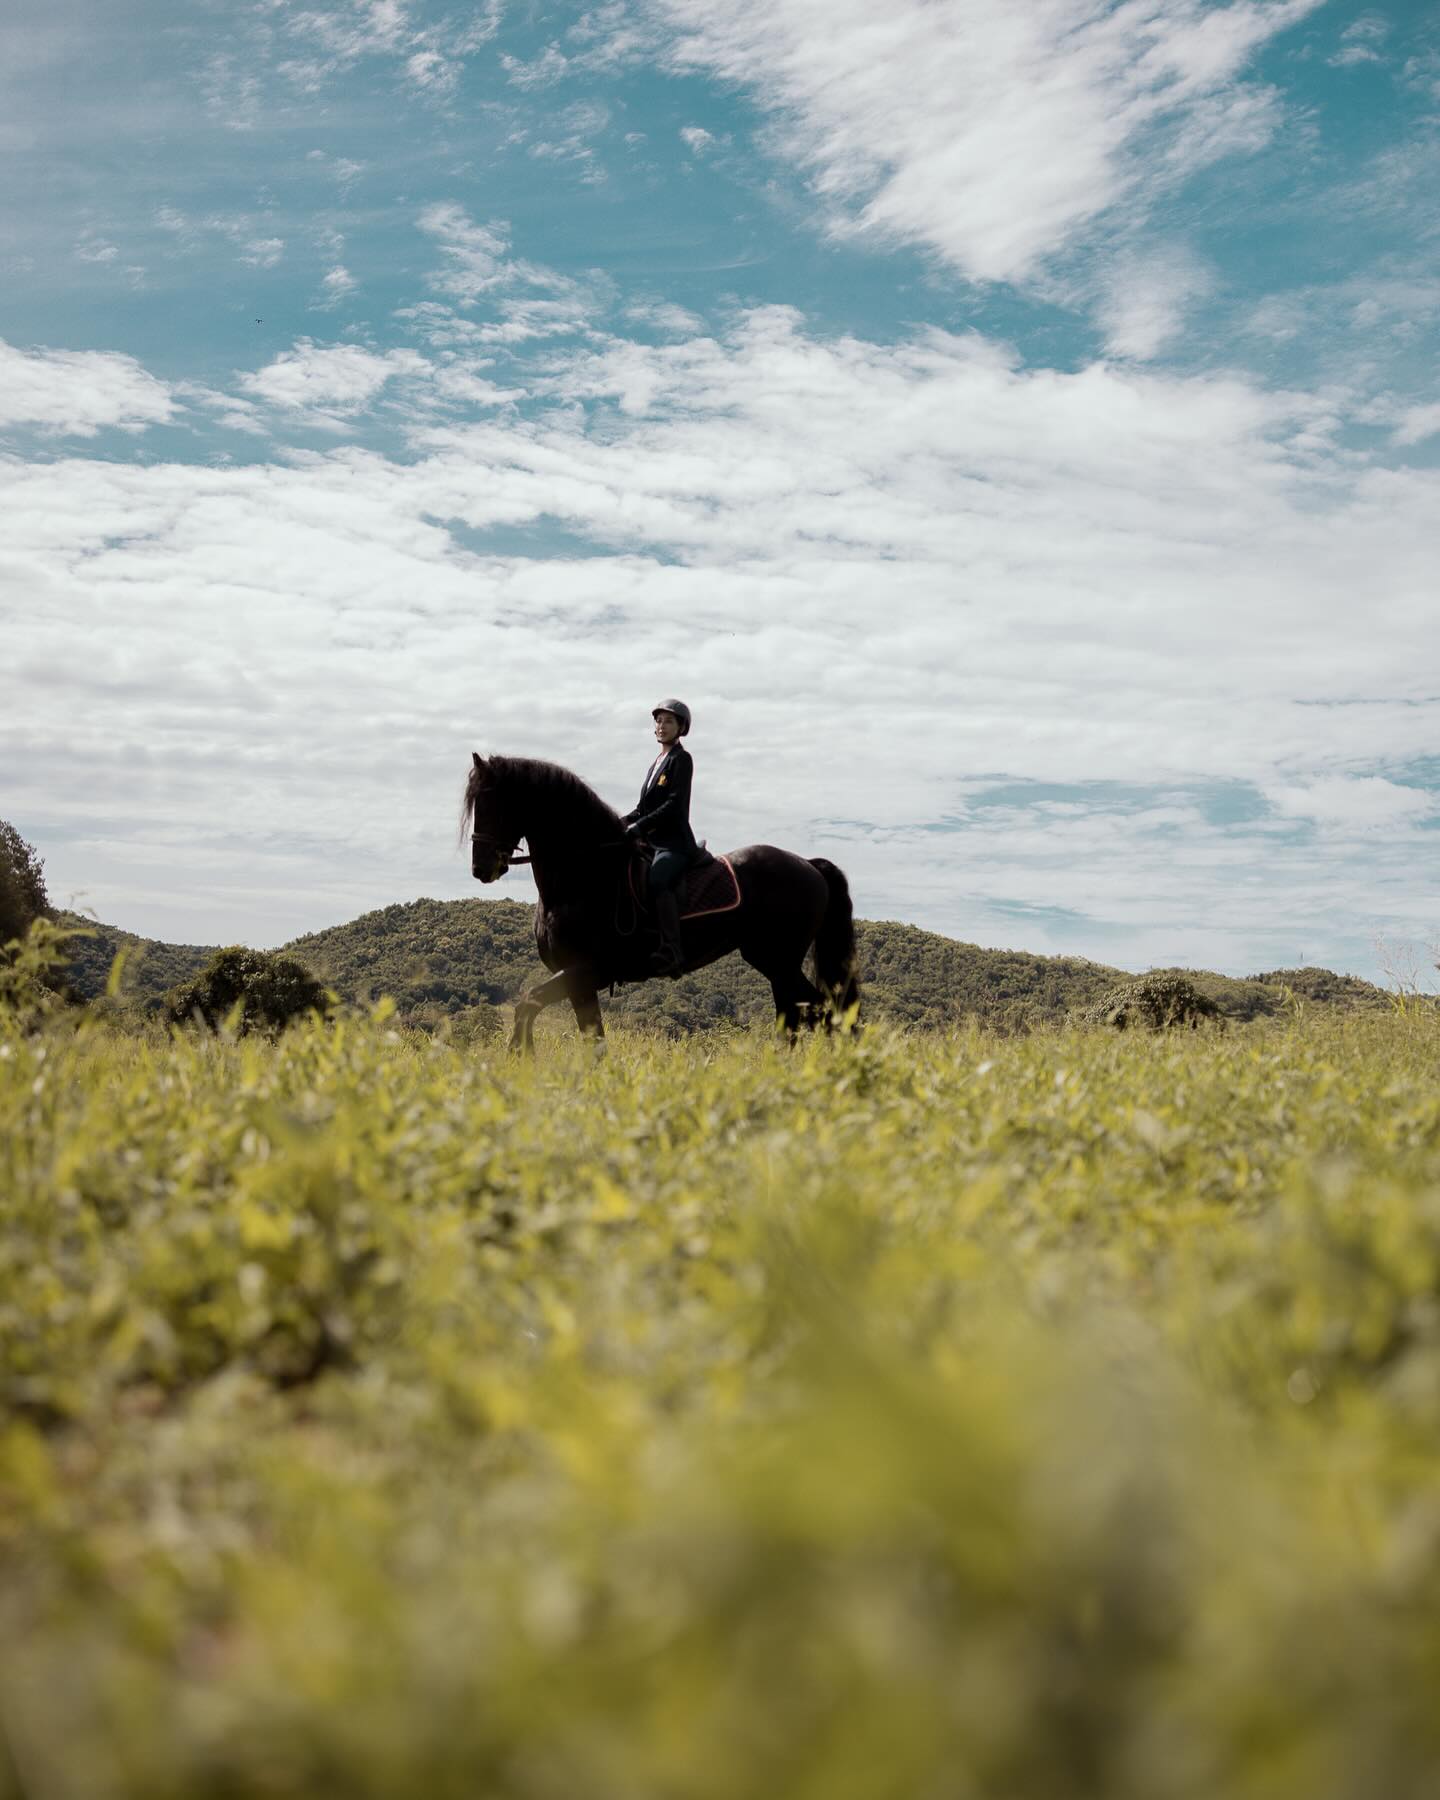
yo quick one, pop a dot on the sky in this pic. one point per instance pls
(1013, 428)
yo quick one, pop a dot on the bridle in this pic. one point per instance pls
(508, 857)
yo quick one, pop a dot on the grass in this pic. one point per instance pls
(930, 1415)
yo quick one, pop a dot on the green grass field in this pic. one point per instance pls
(922, 1416)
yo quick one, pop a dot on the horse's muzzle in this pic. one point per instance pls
(489, 859)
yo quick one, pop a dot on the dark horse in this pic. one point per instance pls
(589, 930)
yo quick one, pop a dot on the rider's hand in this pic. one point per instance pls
(634, 830)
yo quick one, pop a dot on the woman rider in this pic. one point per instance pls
(663, 819)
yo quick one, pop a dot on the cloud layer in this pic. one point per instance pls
(1000, 640)
(992, 132)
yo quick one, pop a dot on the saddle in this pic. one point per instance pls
(710, 886)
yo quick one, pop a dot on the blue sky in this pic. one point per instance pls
(1013, 428)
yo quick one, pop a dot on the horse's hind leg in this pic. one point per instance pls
(587, 1010)
(797, 1000)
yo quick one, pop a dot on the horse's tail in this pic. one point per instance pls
(835, 942)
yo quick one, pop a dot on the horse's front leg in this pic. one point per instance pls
(529, 1007)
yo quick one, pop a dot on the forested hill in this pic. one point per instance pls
(437, 956)
(462, 959)
(151, 967)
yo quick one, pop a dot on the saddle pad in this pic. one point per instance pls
(710, 889)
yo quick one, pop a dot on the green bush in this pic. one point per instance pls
(253, 986)
(1157, 1002)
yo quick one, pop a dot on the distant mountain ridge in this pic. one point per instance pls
(464, 959)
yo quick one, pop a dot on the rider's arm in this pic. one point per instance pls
(669, 803)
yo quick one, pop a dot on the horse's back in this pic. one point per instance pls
(771, 859)
(778, 882)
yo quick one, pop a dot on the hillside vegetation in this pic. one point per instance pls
(463, 959)
(1029, 1417)
(150, 969)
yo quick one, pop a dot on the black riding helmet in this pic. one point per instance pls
(680, 710)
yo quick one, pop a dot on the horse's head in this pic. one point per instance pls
(493, 831)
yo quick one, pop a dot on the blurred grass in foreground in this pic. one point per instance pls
(923, 1416)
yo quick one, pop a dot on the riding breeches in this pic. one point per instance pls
(667, 870)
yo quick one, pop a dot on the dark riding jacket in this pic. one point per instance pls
(664, 810)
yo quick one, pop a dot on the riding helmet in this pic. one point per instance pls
(678, 707)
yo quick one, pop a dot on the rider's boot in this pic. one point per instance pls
(669, 959)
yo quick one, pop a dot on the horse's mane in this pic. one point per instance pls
(562, 796)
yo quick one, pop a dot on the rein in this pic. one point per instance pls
(480, 837)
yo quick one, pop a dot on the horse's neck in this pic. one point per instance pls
(565, 841)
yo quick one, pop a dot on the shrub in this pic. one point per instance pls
(269, 991)
(1155, 1002)
(31, 971)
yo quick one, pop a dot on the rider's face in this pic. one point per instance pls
(667, 728)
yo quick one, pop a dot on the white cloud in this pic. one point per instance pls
(478, 266)
(1360, 41)
(336, 286)
(343, 170)
(331, 379)
(1358, 334)
(262, 252)
(697, 139)
(550, 66)
(1237, 122)
(994, 133)
(475, 259)
(433, 73)
(231, 412)
(605, 39)
(1422, 72)
(1279, 318)
(232, 90)
(664, 315)
(1351, 54)
(1388, 185)
(475, 26)
(96, 250)
(575, 126)
(79, 392)
(256, 249)
(1363, 801)
(522, 319)
(309, 47)
(365, 28)
(1145, 298)
(615, 35)
(1417, 423)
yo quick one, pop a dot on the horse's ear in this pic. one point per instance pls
(477, 759)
